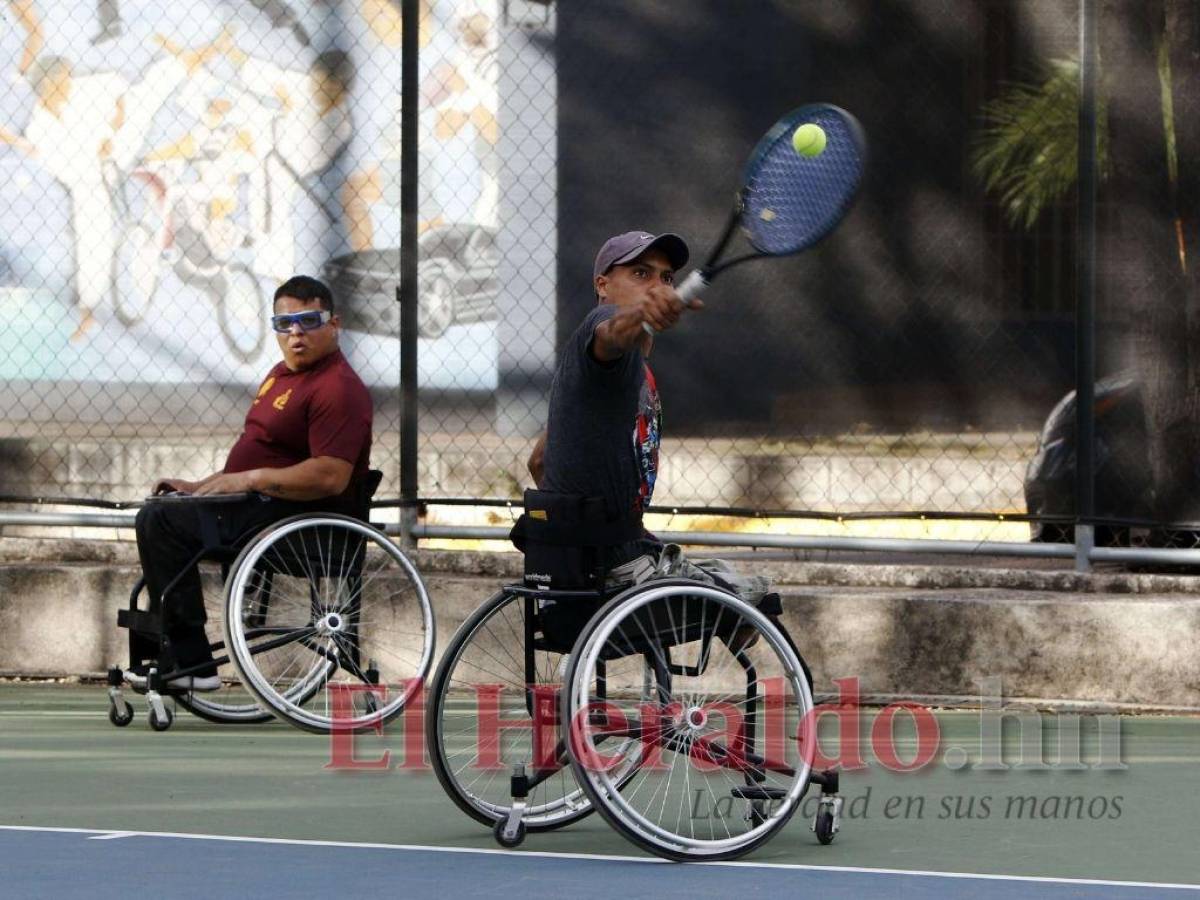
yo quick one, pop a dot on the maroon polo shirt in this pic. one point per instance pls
(324, 410)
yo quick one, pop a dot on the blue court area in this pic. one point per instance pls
(81, 864)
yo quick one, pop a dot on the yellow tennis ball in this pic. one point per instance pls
(809, 140)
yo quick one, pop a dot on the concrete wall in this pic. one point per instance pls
(1127, 640)
(945, 472)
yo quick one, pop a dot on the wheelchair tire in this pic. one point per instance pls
(680, 803)
(488, 650)
(339, 610)
(162, 724)
(506, 842)
(223, 713)
(122, 718)
(823, 826)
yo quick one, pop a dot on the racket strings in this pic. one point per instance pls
(792, 201)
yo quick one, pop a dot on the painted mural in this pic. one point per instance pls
(164, 166)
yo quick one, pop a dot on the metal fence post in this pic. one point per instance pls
(406, 293)
(1085, 308)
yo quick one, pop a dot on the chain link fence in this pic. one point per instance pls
(166, 166)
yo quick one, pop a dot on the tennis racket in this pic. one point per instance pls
(788, 202)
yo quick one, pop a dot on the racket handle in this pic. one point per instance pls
(689, 289)
(692, 286)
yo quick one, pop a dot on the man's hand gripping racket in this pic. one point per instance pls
(794, 190)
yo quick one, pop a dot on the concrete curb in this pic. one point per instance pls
(472, 563)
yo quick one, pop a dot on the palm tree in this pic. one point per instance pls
(1026, 149)
(1025, 152)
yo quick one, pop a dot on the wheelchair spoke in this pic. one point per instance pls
(367, 613)
(724, 683)
(488, 658)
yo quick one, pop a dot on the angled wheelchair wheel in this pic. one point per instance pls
(328, 623)
(724, 761)
(486, 674)
(231, 705)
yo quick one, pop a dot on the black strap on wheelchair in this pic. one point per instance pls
(572, 520)
(567, 538)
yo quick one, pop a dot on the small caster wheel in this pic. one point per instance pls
(119, 718)
(508, 842)
(823, 826)
(161, 724)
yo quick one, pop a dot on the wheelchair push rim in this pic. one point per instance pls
(328, 623)
(673, 811)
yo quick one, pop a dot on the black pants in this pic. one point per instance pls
(169, 535)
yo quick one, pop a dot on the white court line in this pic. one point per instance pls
(51, 714)
(542, 854)
(114, 835)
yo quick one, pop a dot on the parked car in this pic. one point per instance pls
(1123, 485)
(457, 282)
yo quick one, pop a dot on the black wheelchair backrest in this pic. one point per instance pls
(564, 538)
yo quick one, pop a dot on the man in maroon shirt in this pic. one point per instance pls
(304, 448)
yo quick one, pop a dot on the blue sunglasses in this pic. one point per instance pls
(309, 320)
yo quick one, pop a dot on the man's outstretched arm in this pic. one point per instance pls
(618, 335)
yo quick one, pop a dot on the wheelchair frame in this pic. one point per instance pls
(513, 816)
(332, 633)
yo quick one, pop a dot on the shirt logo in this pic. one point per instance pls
(266, 386)
(281, 401)
(647, 435)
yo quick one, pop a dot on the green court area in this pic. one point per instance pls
(1121, 807)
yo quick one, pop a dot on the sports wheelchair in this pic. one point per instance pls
(326, 624)
(680, 712)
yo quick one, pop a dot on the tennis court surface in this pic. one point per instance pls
(203, 810)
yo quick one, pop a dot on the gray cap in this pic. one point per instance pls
(629, 246)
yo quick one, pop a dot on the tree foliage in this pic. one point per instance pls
(1026, 150)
